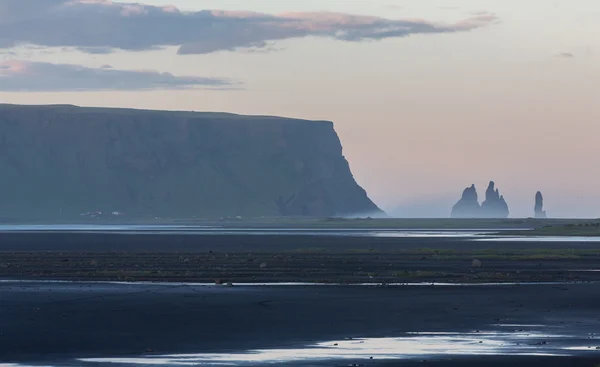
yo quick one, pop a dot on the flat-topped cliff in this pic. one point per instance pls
(61, 161)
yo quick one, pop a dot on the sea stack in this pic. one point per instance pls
(538, 210)
(468, 205)
(494, 205)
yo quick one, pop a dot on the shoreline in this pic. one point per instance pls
(293, 284)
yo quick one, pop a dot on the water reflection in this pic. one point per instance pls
(482, 234)
(541, 239)
(216, 230)
(413, 345)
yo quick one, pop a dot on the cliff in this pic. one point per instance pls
(61, 161)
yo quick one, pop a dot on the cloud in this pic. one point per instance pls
(26, 76)
(566, 55)
(100, 26)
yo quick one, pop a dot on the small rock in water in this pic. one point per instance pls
(476, 263)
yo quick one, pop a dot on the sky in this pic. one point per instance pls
(428, 97)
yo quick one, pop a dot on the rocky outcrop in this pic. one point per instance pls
(58, 162)
(538, 209)
(494, 205)
(468, 205)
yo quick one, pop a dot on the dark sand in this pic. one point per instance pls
(289, 258)
(57, 322)
(176, 242)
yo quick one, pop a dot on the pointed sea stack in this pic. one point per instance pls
(538, 210)
(468, 205)
(494, 205)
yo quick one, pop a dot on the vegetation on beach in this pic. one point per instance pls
(583, 228)
(309, 265)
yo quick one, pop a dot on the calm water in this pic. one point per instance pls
(506, 339)
(509, 339)
(195, 229)
(472, 234)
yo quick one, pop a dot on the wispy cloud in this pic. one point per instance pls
(99, 26)
(26, 76)
(566, 55)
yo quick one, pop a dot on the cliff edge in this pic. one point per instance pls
(64, 161)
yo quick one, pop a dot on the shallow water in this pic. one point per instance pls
(410, 346)
(490, 234)
(284, 284)
(195, 229)
(541, 239)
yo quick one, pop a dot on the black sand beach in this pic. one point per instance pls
(55, 323)
(243, 258)
(58, 322)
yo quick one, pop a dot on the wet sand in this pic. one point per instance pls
(58, 322)
(73, 241)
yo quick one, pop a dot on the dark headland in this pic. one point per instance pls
(62, 162)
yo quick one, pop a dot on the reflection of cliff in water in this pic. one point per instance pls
(494, 205)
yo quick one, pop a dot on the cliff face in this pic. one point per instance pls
(61, 161)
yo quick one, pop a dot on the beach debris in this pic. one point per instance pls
(476, 263)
